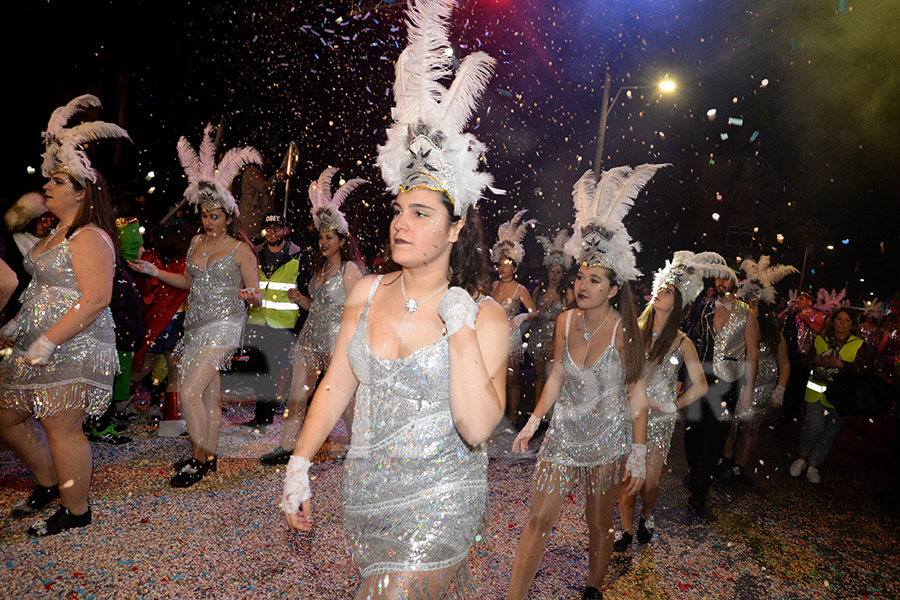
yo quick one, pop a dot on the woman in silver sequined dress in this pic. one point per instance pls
(339, 270)
(63, 356)
(429, 393)
(550, 299)
(668, 349)
(222, 274)
(600, 416)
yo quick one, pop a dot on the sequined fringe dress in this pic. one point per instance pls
(766, 380)
(662, 386)
(81, 370)
(591, 425)
(511, 306)
(215, 316)
(316, 340)
(540, 338)
(415, 493)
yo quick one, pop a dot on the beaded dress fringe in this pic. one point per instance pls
(204, 345)
(454, 583)
(50, 400)
(552, 477)
(310, 358)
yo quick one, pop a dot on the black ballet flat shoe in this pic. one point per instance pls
(592, 593)
(278, 456)
(190, 474)
(39, 498)
(645, 530)
(622, 543)
(213, 464)
(59, 521)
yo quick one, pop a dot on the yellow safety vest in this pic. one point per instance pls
(276, 310)
(815, 390)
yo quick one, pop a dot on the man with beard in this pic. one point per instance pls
(728, 345)
(801, 324)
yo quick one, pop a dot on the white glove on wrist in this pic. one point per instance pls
(530, 427)
(39, 351)
(777, 397)
(637, 461)
(457, 309)
(10, 331)
(142, 266)
(667, 407)
(518, 320)
(296, 485)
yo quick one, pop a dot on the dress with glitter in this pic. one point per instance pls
(591, 425)
(511, 306)
(662, 386)
(320, 330)
(540, 339)
(81, 370)
(766, 380)
(415, 493)
(215, 316)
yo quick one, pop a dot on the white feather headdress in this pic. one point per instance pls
(509, 239)
(63, 147)
(554, 251)
(828, 302)
(600, 238)
(761, 279)
(426, 146)
(874, 308)
(326, 209)
(208, 183)
(27, 208)
(687, 270)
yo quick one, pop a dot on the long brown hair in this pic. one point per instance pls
(95, 209)
(349, 252)
(634, 343)
(468, 260)
(660, 347)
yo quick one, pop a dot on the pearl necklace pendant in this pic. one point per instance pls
(411, 305)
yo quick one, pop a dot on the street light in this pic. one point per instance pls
(665, 86)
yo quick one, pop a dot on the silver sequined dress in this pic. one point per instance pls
(591, 425)
(415, 493)
(511, 306)
(81, 370)
(766, 380)
(540, 339)
(316, 341)
(662, 386)
(215, 315)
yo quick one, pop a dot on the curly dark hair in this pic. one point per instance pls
(468, 258)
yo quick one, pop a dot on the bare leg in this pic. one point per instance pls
(626, 510)
(542, 516)
(21, 434)
(650, 489)
(212, 404)
(71, 454)
(598, 511)
(149, 361)
(746, 443)
(197, 377)
(302, 386)
(172, 378)
(728, 451)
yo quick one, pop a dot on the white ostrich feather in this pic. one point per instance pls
(509, 238)
(325, 208)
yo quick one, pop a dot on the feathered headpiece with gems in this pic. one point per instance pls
(687, 270)
(509, 239)
(208, 183)
(63, 147)
(426, 146)
(761, 279)
(554, 252)
(828, 302)
(326, 209)
(600, 238)
(874, 309)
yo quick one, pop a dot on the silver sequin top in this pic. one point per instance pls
(540, 340)
(662, 386)
(512, 306)
(415, 493)
(81, 370)
(730, 354)
(320, 330)
(591, 424)
(215, 315)
(766, 380)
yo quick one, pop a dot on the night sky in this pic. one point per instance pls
(815, 83)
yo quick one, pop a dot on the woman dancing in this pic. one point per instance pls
(221, 274)
(551, 297)
(508, 254)
(338, 271)
(426, 363)
(598, 433)
(676, 286)
(63, 357)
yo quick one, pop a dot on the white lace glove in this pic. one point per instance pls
(518, 320)
(636, 464)
(39, 351)
(457, 310)
(296, 485)
(667, 407)
(777, 397)
(10, 331)
(520, 444)
(142, 266)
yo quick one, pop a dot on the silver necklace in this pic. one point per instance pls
(206, 243)
(411, 305)
(587, 336)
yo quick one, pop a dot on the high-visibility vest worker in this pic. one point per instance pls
(277, 274)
